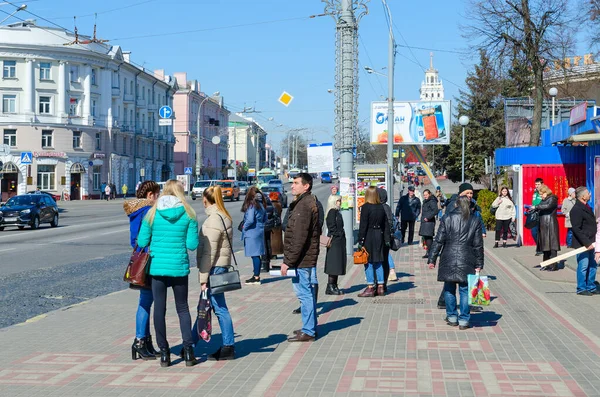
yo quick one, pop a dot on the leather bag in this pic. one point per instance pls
(225, 282)
(325, 241)
(361, 257)
(137, 269)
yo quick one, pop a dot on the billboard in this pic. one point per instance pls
(320, 157)
(368, 175)
(415, 123)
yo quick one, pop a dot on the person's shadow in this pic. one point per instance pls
(273, 279)
(328, 306)
(325, 329)
(485, 319)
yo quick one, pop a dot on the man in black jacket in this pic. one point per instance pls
(583, 224)
(408, 210)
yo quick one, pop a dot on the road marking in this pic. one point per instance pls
(8, 249)
(84, 237)
(36, 318)
(19, 233)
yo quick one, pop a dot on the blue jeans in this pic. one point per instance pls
(313, 276)
(142, 318)
(450, 298)
(391, 261)
(256, 265)
(534, 234)
(308, 306)
(372, 270)
(569, 237)
(586, 271)
(220, 307)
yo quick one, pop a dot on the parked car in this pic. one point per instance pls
(199, 187)
(279, 190)
(29, 210)
(230, 189)
(55, 197)
(326, 177)
(243, 185)
(421, 172)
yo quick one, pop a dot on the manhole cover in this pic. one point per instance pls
(399, 301)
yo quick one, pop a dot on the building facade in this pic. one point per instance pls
(214, 118)
(432, 89)
(84, 112)
(247, 140)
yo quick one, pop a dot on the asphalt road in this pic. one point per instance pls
(83, 258)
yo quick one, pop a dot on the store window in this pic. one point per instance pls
(10, 69)
(45, 68)
(10, 138)
(47, 139)
(76, 139)
(96, 176)
(44, 105)
(46, 177)
(9, 104)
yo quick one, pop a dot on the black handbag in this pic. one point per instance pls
(225, 282)
(532, 219)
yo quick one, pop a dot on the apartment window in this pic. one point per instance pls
(74, 72)
(124, 145)
(94, 77)
(115, 80)
(143, 93)
(46, 177)
(44, 105)
(10, 138)
(45, 70)
(47, 139)
(125, 86)
(94, 107)
(148, 150)
(96, 176)
(76, 139)
(9, 104)
(131, 87)
(137, 90)
(149, 95)
(98, 141)
(10, 69)
(150, 126)
(74, 107)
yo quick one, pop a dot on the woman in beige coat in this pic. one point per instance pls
(505, 214)
(214, 257)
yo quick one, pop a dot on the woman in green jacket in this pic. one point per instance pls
(170, 229)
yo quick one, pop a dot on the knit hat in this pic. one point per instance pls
(571, 190)
(464, 186)
(411, 188)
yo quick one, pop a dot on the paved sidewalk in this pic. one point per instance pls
(536, 339)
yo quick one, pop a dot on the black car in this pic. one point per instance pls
(277, 189)
(29, 210)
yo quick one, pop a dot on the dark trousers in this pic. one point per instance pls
(534, 233)
(550, 255)
(411, 230)
(502, 228)
(386, 265)
(266, 258)
(180, 290)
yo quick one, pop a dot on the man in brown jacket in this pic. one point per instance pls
(300, 252)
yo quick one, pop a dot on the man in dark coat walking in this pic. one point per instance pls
(583, 224)
(408, 210)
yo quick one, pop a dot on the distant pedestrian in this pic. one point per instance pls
(441, 200)
(277, 232)
(107, 192)
(214, 257)
(505, 214)
(537, 198)
(428, 215)
(113, 191)
(566, 207)
(585, 234)
(336, 258)
(335, 190)
(102, 190)
(407, 211)
(265, 259)
(136, 209)
(374, 236)
(253, 230)
(170, 229)
(459, 242)
(124, 190)
(548, 228)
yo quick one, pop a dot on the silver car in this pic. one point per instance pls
(243, 187)
(199, 187)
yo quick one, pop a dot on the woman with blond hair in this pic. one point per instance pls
(214, 257)
(374, 235)
(170, 229)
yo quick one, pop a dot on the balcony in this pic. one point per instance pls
(152, 107)
(141, 103)
(127, 128)
(116, 92)
(128, 98)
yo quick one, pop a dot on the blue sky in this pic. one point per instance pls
(252, 65)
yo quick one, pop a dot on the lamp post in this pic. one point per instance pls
(553, 93)
(463, 120)
(198, 140)
(20, 8)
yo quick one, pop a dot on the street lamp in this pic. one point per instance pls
(198, 140)
(553, 93)
(21, 8)
(463, 120)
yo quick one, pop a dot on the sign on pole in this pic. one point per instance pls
(187, 170)
(320, 157)
(286, 99)
(165, 112)
(251, 172)
(26, 157)
(165, 122)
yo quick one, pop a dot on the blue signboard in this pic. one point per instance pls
(26, 157)
(188, 170)
(165, 112)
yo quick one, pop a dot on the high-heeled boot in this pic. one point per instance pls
(140, 350)
(150, 346)
(165, 357)
(187, 354)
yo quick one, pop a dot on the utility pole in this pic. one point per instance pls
(347, 14)
(390, 145)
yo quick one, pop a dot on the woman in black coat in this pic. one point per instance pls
(374, 235)
(460, 241)
(429, 211)
(548, 229)
(336, 258)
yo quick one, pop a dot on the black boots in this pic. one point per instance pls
(139, 349)
(224, 353)
(187, 354)
(165, 357)
(150, 346)
(496, 245)
(332, 289)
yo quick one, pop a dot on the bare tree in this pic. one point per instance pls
(594, 23)
(534, 29)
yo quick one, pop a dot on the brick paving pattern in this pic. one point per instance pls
(536, 339)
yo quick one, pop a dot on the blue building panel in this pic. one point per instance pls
(563, 131)
(540, 155)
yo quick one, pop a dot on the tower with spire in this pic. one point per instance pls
(432, 88)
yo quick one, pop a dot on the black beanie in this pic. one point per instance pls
(464, 186)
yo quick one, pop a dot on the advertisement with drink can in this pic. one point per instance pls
(415, 123)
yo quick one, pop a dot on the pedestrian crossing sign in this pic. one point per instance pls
(26, 157)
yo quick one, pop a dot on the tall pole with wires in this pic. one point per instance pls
(390, 144)
(347, 14)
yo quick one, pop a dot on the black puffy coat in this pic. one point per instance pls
(374, 231)
(388, 211)
(430, 211)
(548, 229)
(460, 242)
(336, 258)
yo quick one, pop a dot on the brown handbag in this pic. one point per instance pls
(325, 241)
(137, 269)
(361, 257)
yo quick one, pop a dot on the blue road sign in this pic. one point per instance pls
(91, 163)
(26, 157)
(165, 112)
(188, 170)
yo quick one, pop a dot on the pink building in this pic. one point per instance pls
(214, 120)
